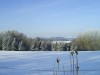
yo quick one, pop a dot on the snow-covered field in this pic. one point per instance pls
(42, 63)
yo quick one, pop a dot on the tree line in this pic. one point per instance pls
(15, 41)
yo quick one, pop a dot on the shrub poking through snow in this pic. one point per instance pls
(73, 57)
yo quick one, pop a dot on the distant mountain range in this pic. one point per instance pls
(59, 39)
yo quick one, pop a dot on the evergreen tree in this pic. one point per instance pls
(47, 45)
(1, 41)
(42, 45)
(32, 46)
(14, 44)
(21, 47)
(36, 44)
(55, 46)
(4, 43)
(8, 45)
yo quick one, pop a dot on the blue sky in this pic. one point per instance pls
(50, 18)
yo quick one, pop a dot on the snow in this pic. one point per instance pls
(61, 41)
(42, 62)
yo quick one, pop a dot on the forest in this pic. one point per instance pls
(16, 41)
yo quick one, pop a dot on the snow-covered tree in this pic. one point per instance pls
(4, 44)
(21, 47)
(14, 44)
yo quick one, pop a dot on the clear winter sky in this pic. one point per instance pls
(50, 18)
